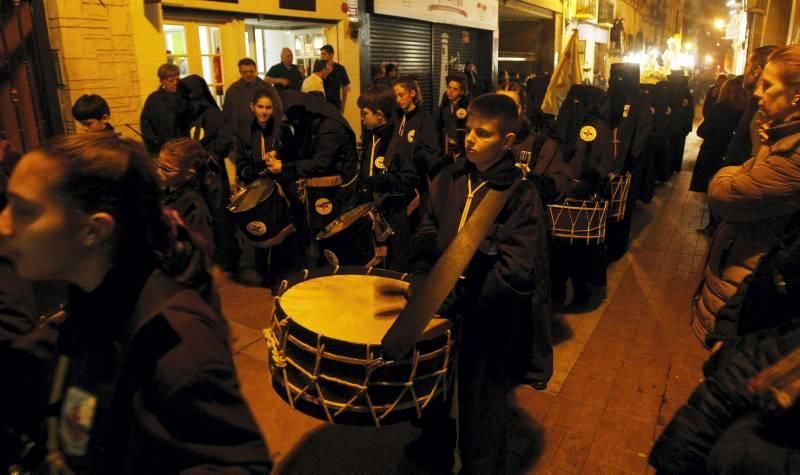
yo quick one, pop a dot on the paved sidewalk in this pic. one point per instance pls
(621, 369)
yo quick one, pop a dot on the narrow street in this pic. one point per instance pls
(621, 369)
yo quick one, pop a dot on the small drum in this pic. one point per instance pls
(579, 219)
(325, 349)
(262, 212)
(620, 185)
(358, 237)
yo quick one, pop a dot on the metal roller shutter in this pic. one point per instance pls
(406, 43)
(464, 45)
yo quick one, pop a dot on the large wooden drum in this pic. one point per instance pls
(325, 353)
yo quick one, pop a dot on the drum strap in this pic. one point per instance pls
(423, 304)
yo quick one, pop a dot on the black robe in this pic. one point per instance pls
(451, 125)
(504, 278)
(681, 119)
(629, 142)
(415, 137)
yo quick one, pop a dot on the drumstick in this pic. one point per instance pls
(425, 302)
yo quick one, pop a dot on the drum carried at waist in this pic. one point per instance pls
(582, 220)
(619, 187)
(325, 349)
(261, 210)
(358, 237)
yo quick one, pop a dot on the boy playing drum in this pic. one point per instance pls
(494, 297)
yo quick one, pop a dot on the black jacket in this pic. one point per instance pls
(510, 267)
(382, 173)
(247, 150)
(325, 143)
(17, 305)
(740, 148)
(721, 400)
(158, 119)
(415, 137)
(716, 132)
(150, 385)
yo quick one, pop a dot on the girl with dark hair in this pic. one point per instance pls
(140, 372)
(267, 137)
(189, 186)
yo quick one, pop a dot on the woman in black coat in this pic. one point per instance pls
(717, 131)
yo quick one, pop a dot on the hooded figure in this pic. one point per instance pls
(327, 161)
(681, 102)
(658, 96)
(199, 118)
(451, 117)
(586, 146)
(630, 118)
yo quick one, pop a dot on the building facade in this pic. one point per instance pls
(113, 48)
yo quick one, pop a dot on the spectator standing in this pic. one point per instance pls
(756, 200)
(160, 110)
(285, 75)
(236, 107)
(337, 83)
(745, 141)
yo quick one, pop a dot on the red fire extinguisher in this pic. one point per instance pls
(218, 74)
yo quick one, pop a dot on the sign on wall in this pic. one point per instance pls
(473, 13)
(308, 5)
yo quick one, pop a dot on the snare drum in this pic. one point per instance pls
(262, 211)
(325, 349)
(579, 219)
(358, 237)
(620, 185)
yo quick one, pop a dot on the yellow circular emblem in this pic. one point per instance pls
(588, 133)
(461, 113)
(256, 228)
(411, 134)
(685, 102)
(323, 206)
(379, 163)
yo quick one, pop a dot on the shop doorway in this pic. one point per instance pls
(264, 40)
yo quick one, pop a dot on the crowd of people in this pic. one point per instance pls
(265, 186)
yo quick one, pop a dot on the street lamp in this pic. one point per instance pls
(708, 59)
(719, 24)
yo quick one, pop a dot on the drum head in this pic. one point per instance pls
(252, 195)
(353, 308)
(344, 221)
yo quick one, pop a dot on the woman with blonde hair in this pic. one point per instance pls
(756, 200)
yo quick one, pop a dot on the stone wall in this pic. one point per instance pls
(95, 43)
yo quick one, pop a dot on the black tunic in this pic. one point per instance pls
(158, 119)
(415, 137)
(451, 124)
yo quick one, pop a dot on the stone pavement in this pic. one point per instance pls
(621, 369)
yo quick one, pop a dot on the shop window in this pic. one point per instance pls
(264, 46)
(211, 59)
(175, 43)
